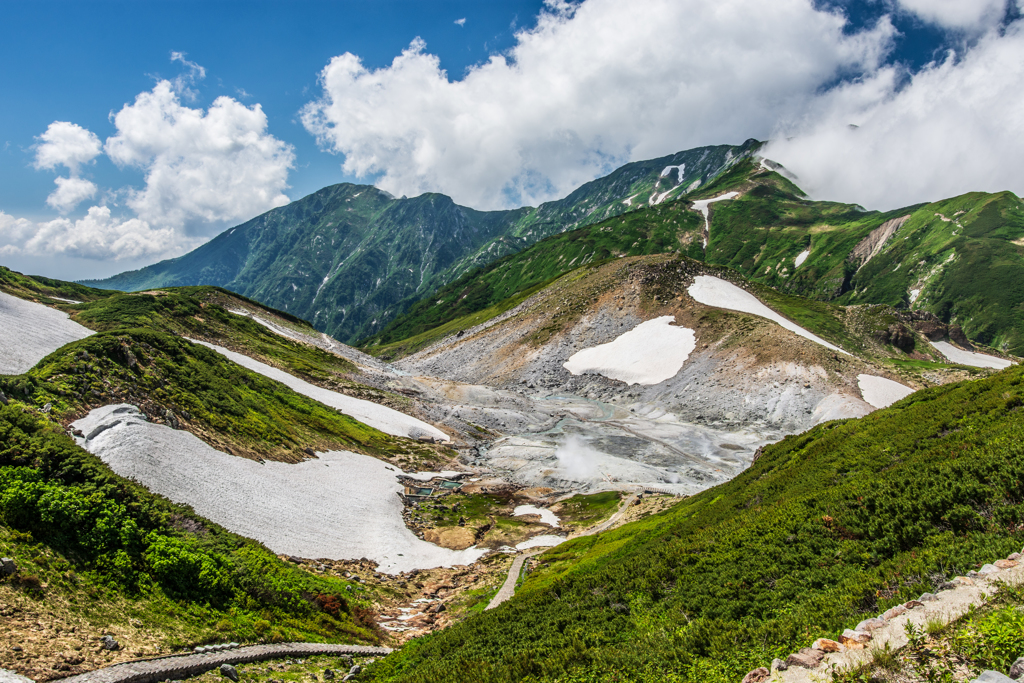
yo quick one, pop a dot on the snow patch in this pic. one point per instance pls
(914, 293)
(341, 505)
(713, 291)
(881, 392)
(546, 516)
(702, 206)
(801, 257)
(377, 416)
(29, 332)
(546, 541)
(650, 353)
(977, 360)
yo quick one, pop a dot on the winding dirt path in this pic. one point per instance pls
(177, 667)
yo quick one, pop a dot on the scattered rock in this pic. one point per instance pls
(109, 643)
(228, 671)
(779, 665)
(913, 603)
(328, 674)
(855, 640)
(1006, 564)
(988, 569)
(992, 677)
(758, 675)
(1017, 670)
(928, 597)
(807, 658)
(825, 645)
(355, 669)
(8, 567)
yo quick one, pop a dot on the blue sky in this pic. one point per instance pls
(519, 103)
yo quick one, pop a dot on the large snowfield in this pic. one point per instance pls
(380, 417)
(650, 353)
(713, 291)
(339, 506)
(881, 392)
(30, 332)
(977, 360)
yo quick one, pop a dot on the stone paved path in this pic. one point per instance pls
(508, 588)
(177, 667)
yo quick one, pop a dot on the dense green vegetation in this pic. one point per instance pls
(38, 287)
(349, 258)
(81, 532)
(825, 528)
(232, 408)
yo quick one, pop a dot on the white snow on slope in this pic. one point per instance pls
(29, 332)
(546, 541)
(914, 293)
(546, 516)
(801, 257)
(377, 416)
(340, 506)
(702, 206)
(977, 360)
(713, 291)
(881, 392)
(650, 353)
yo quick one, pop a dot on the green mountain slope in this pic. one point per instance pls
(350, 257)
(825, 529)
(961, 259)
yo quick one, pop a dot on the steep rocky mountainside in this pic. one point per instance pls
(350, 257)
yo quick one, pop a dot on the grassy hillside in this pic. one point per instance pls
(96, 551)
(824, 529)
(964, 257)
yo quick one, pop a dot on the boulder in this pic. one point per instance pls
(758, 675)
(778, 665)
(893, 612)
(1014, 556)
(228, 671)
(913, 603)
(928, 597)
(109, 643)
(825, 645)
(328, 674)
(1006, 564)
(988, 569)
(855, 640)
(1017, 669)
(8, 567)
(992, 677)
(869, 625)
(807, 658)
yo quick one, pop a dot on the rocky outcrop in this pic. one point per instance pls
(871, 245)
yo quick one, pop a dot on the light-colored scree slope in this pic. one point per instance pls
(977, 360)
(650, 353)
(29, 332)
(713, 291)
(340, 506)
(380, 417)
(881, 392)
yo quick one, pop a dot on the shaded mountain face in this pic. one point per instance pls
(349, 258)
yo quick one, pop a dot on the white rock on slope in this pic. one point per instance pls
(29, 332)
(341, 505)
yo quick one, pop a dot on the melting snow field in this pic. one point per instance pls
(340, 506)
(801, 257)
(702, 206)
(377, 416)
(881, 392)
(713, 291)
(546, 516)
(29, 332)
(546, 541)
(977, 360)
(650, 353)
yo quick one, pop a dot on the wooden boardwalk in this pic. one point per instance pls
(177, 667)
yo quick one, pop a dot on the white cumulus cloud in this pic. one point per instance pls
(201, 166)
(590, 87)
(70, 193)
(957, 14)
(955, 126)
(66, 144)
